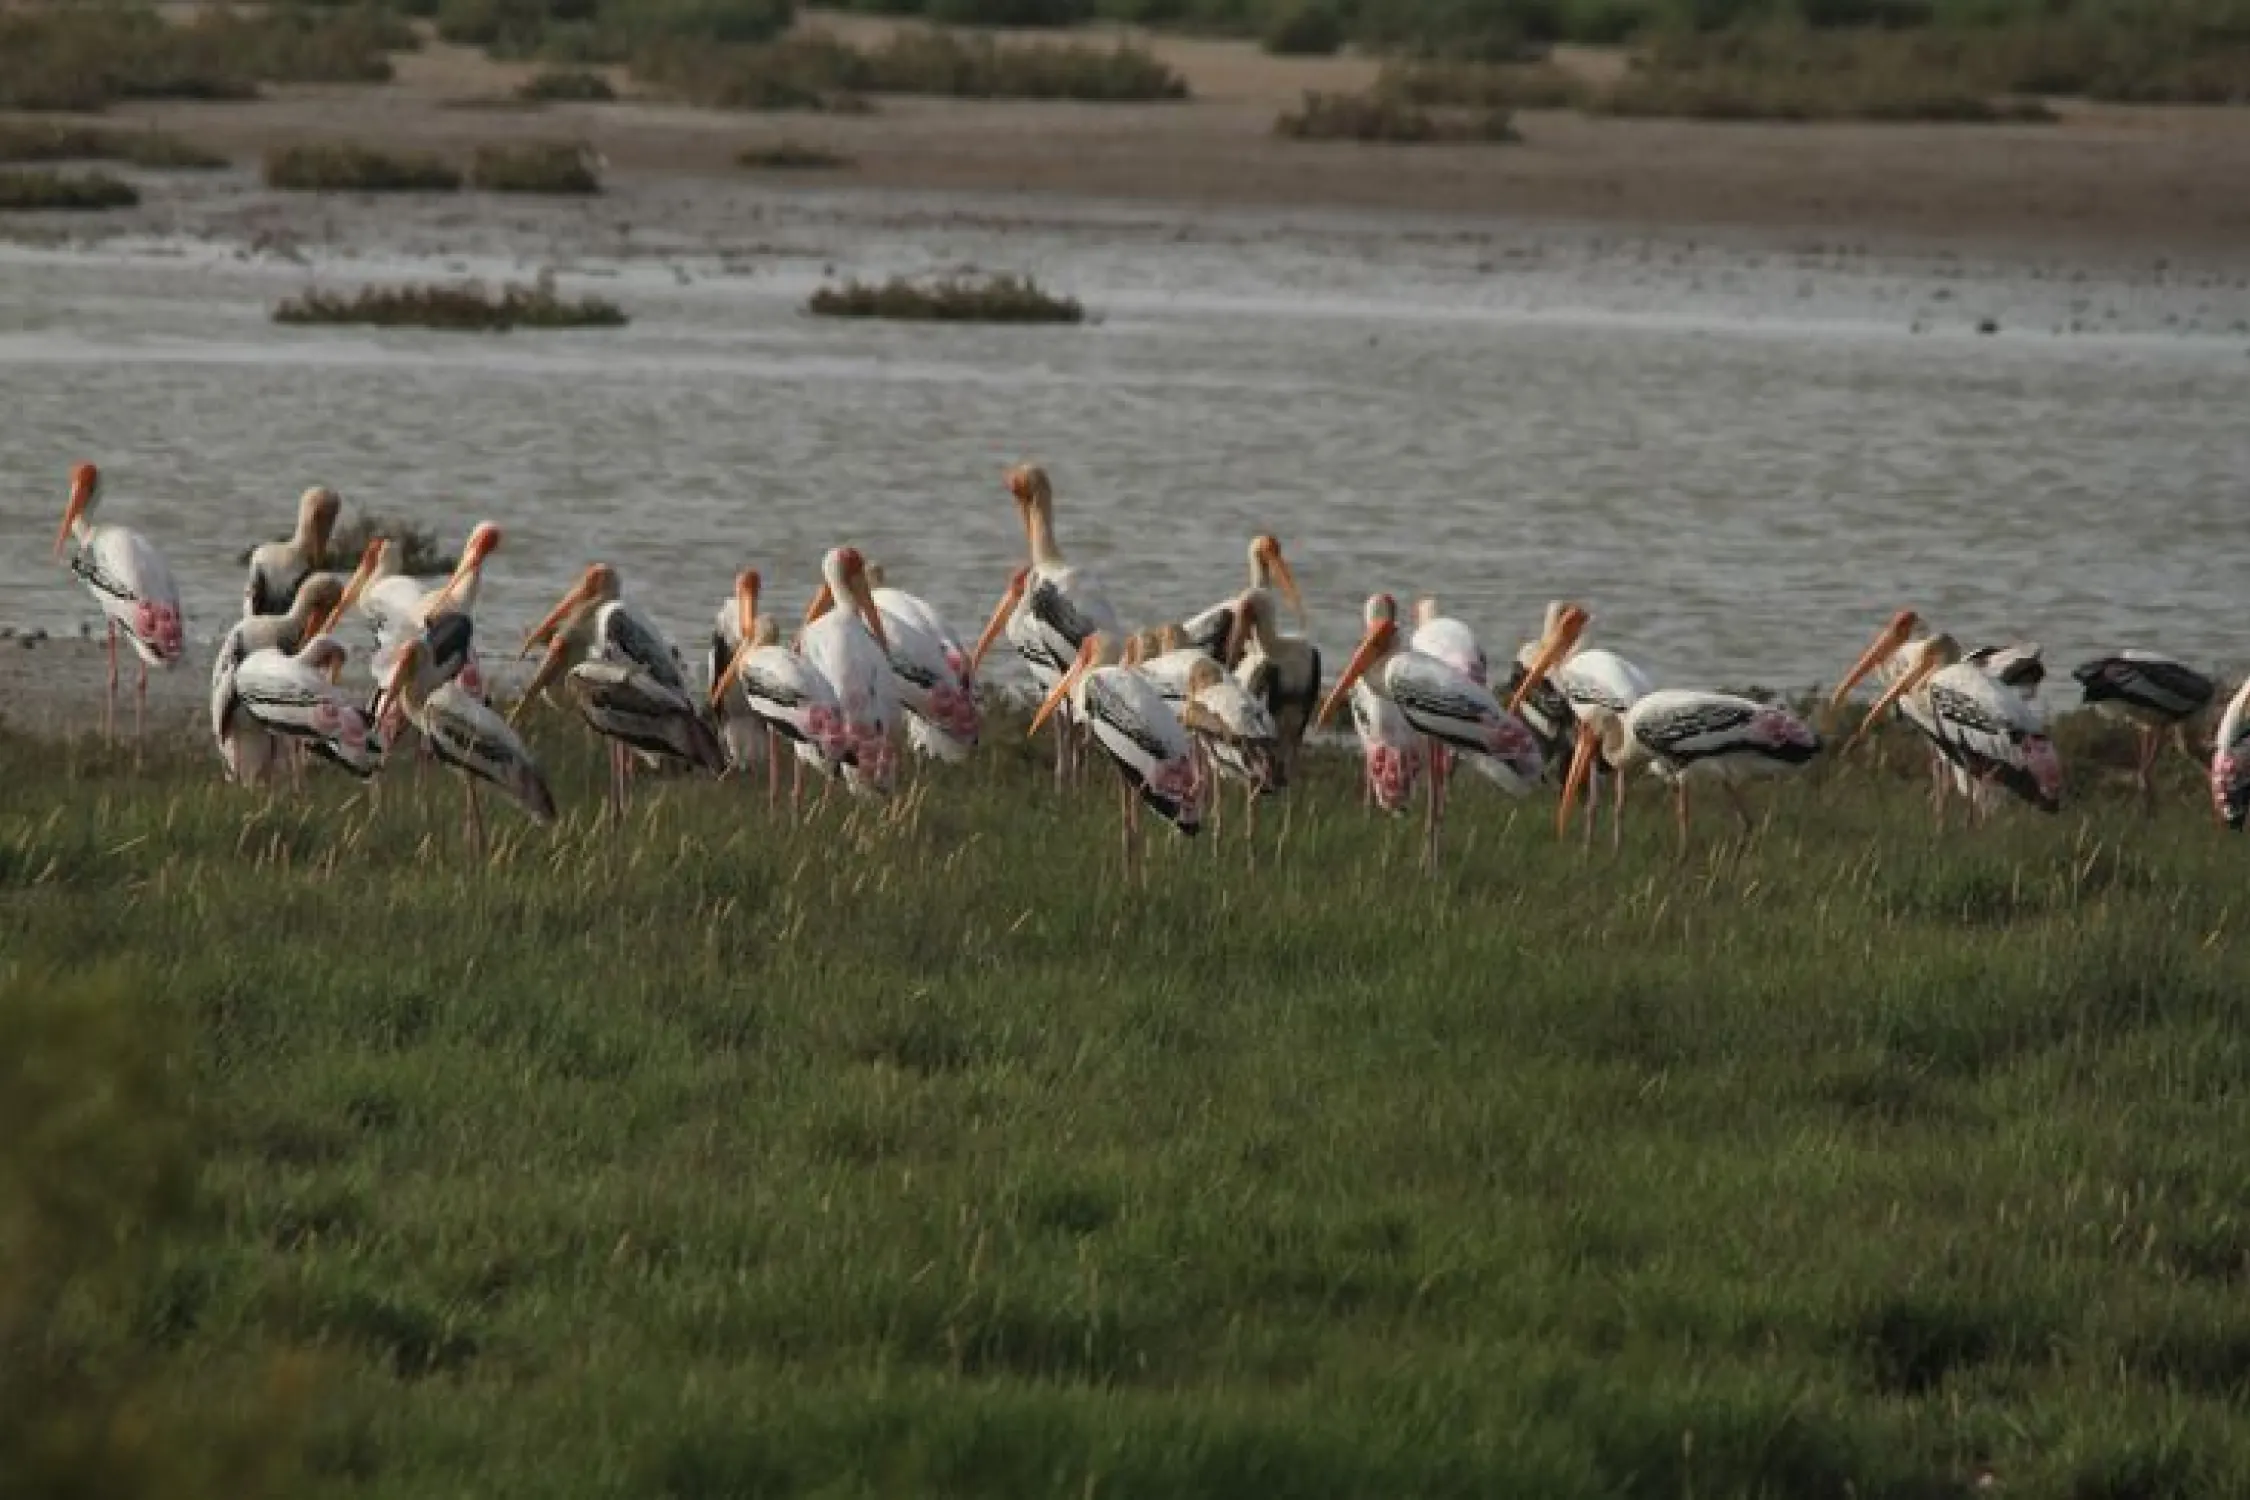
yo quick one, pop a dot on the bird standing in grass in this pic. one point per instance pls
(930, 668)
(637, 705)
(293, 696)
(2230, 762)
(844, 637)
(466, 735)
(1686, 735)
(129, 580)
(1129, 721)
(781, 693)
(1987, 731)
(2153, 693)
(245, 746)
(1596, 685)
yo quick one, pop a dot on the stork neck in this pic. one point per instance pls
(1039, 530)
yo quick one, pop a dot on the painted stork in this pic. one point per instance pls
(930, 669)
(277, 569)
(1132, 724)
(1986, 730)
(741, 731)
(1229, 726)
(245, 746)
(134, 588)
(293, 696)
(1897, 649)
(1452, 712)
(398, 609)
(784, 694)
(1212, 631)
(850, 646)
(1391, 752)
(1282, 672)
(592, 623)
(2230, 762)
(1686, 735)
(1051, 605)
(466, 735)
(1542, 706)
(1596, 686)
(2151, 692)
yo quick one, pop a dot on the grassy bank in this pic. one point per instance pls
(85, 57)
(44, 141)
(74, 191)
(1001, 298)
(468, 307)
(907, 1153)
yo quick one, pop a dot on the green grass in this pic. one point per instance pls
(1001, 298)
(464, 308)
(908, 1153)
(345, 168)
(536, 167)
(1378, 116)
(42, 189)
(791, 156)
(85, 57)
(45, 141)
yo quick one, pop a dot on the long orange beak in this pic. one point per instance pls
(1885, 645)
(1581, 769)
(1017, 583)
(550, 667)
(580, 592)
(1372, 649)
(356, 585)
(822, 601)
(1569, 626)
(726, 680)
(1061, 690)
(1907, 683)
(81, 496)
(746, 585)
(481, 544)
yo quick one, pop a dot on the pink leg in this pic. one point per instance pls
(109, 712)
(140, 712)
(476, 817)
(773, 770)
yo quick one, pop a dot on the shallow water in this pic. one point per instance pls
(1742, 459)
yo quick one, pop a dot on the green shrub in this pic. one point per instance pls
(536, 167)
(1378, 117)
(950, 299)
(1309, 29)
(464, 308)
(346, 168)
(567, 85)
(819, 71)
(64, 190)
(24, 141)
(790, 156)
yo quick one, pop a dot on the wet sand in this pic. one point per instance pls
(2105, 180)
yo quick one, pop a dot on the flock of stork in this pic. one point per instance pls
(1177, 709)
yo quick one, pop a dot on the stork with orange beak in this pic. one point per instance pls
(850, 646)
(1213, 631)
(398, 608)
(1987, 732)
(1281, 672)
(1391, 752)
(1442, 703)
(930, 667)
(1896, 652)
(1596, 686)
(593, 623)
(277, 569)
(1127, 717)
(129, 580)
(466, 735)
(1051, 605)
(743, 734)
(786, 696)
(1686, 735)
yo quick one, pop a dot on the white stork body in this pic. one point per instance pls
(1449, 641)
(931, 673)
(291, 697)
(1228, 724)
(130, 581)
(468, 736)
(622, 702)
(1987, 731)
(1391, 752)
(246, 747)
(2230, 762)
(743, 733)
(398, 609)
(1282, 672)
(1686, 735)
(842, 646)
(1128, 719)
(1599, 685)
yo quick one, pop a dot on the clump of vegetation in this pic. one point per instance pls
(345, 168)
(567, 86)
(64, 190)
(83, 58)
(817, 70)
(42, 141)
(1379, 117)
(536, 167)
(1482, 86)
(999, 298)
(415, 546)
(585, 32)
(791, 156)
(1313, 28)
(467, 308)
(1788, 73)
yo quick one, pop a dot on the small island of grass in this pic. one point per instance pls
(951, 299)
(466, 308)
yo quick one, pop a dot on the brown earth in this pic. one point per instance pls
(2140, 181)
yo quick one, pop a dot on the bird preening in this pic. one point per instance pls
(874, 681)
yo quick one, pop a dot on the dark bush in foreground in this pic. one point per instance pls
(819, 71)
(540, 167)
(1375, 116)
(791, 156)
(567, 86)
(466, 308)
(65, 190)
(22, 141)
(952, 299)
(357, 169)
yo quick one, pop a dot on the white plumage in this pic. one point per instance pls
(246, 747)
(931, 672)
(278, 569)
(2230, 762)
(845, 643)
(292, 697)
(129, 580)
